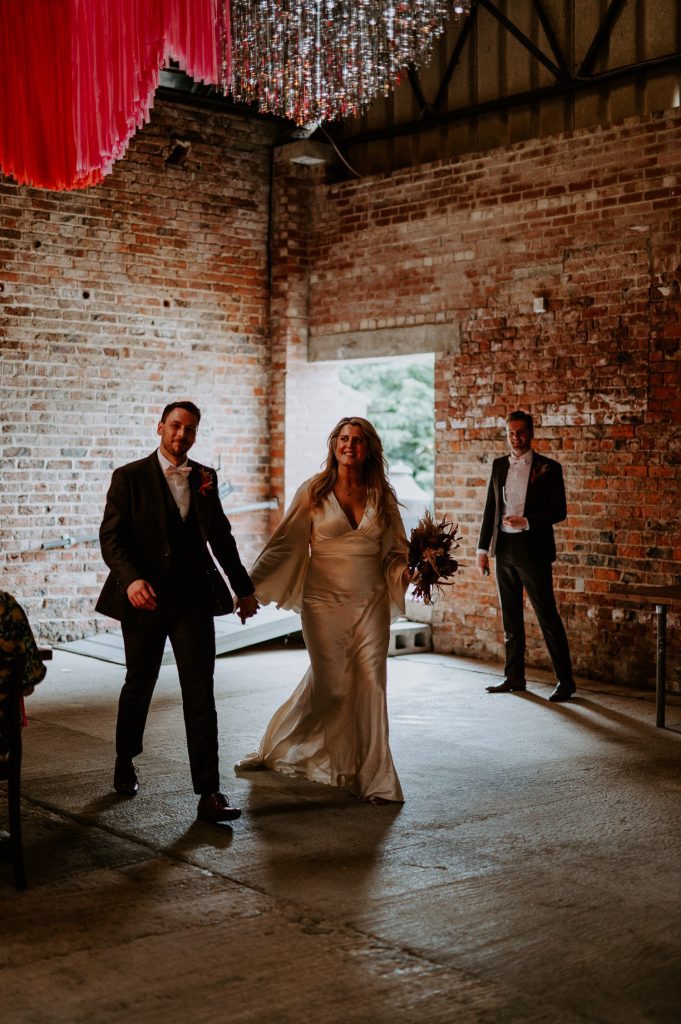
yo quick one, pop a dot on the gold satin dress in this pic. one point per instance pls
(345, 583)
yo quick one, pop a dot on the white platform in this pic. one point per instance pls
(230, 635)
(409, 637)
(270, 622)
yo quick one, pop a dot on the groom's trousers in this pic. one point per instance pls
(518, 568)
(191, 632)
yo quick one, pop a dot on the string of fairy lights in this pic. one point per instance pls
(318, 60)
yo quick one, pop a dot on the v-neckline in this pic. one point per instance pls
(345, 515)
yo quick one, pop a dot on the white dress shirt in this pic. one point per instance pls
(515, 489)
(514, 492)
(178, 484)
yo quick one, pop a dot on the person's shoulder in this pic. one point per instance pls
(136, 467)
(203, 478)
(391, 502)
(11, 612)
(7, 603)
(303, 491)
(546, 460)
(301, 499)
(545, 468)
(201, 467)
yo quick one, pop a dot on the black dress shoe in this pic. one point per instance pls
(125, 778)
(508, 686)
(563, 692)
(215, 807)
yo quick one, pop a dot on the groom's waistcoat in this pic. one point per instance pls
(187, 549)
(143, 537)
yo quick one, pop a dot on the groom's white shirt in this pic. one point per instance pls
(515, 490)
(178, 484)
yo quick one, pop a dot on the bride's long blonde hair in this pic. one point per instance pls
(380, 493)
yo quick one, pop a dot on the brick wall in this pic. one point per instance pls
(153, 284)
(158, 282)
(592, 222)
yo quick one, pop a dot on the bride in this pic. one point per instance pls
(339, 556)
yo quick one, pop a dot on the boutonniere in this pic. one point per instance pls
(539, 469)
(207, 482)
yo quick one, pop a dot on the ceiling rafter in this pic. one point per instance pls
(551, 37)
(551, 44)
(461, 41)
(668, 61)
(415, 83)
(511, 27)
(567, 81)
(603, 33)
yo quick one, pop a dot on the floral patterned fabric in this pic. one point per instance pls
(16, 637)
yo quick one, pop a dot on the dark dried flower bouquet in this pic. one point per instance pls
(431, 560)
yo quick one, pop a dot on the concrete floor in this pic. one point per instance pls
(532, 875)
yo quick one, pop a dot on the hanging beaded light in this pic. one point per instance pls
(317, 60)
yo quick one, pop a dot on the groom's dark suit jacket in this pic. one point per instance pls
(136, 535)
(544, 505)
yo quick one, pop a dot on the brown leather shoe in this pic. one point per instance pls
(563, 692)
(508, 686)
(125, 777)
(215, 807)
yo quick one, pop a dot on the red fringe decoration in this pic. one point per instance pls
(78, 78)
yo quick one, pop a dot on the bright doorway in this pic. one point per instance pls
(396, 393)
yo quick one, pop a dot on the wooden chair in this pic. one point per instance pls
(10, 769)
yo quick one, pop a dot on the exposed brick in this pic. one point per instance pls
(181, 295)
(590, 220)
(174, 264)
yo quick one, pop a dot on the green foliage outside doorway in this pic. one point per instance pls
(401, 408)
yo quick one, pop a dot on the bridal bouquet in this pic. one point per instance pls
(431, 560)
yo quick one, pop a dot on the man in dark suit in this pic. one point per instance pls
(525, 497)
(161, 513)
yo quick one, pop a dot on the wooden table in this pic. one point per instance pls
(662, 598)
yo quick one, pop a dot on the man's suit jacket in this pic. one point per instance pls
(135, 542)
(544, 505)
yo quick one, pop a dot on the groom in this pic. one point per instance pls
(161, 513)
(526, 496)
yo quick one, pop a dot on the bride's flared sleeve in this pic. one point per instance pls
(279, 569)
(394, 553)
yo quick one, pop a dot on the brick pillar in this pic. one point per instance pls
(293, 190)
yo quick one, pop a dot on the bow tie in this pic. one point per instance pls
(517, 459)
(178, 470)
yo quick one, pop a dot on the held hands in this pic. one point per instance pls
(246, 607)
(142, 595)
(517, 522)
(482, 564)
